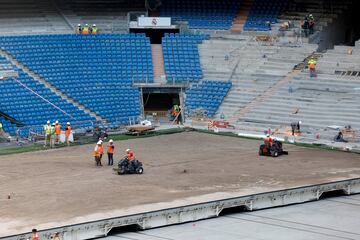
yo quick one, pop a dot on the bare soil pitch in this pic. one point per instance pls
(61, 184)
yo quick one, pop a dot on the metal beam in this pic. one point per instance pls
(198, 211)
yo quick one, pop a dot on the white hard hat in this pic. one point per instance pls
(79, 25)
(68, 123)
(48, 122)
(299, 122)
(56, 121)
(86, 24)
(127, 150)
(99, 143)
(94, 25)
(111, 141)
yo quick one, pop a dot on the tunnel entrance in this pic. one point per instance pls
(154, 34)
(159, 105)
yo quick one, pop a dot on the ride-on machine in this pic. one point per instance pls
(129, 167)
(273, 149)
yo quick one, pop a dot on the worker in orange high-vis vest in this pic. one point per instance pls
(86, 29)
(110, 152)
(312, 66)
(98, 152)
(57, 132)
(67, 133)
(130, 155)
(34, 235)
(268, 141)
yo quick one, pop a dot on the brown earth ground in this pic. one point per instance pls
(57, 186)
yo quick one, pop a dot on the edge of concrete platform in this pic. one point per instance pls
(195, 209)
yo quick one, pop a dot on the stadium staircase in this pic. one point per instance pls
(158, 62)
(239, 21)
(38, 78)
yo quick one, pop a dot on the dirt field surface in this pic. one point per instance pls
(61, 186)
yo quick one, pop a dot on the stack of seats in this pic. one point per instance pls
(207, 95)
(32, 108)
(8, 127)
(202, 14)
(181, 57)
(263, 13)
(95, 70)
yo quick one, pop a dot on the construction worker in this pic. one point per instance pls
(110, 152)
(130, 155)
(47, 131)
(94, 29)
(67, 133)
(34, 235)
(98, 152)
(176, 113)
(57, 132)
(79, 29)
(53, 135)
(1, 128)
(268, 141)
(86, 29)
(312, 66)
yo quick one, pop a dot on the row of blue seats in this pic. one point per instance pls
(207, 95)
(182, 61)
(263, 13)
(194, 12)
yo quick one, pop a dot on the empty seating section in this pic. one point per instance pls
(207, 95)
(202, 14)
(8, 126)
(31, 108)
(181, 57)
(263, 13)
(95, 70)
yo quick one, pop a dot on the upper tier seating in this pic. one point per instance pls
(95, 70)
(263, 13)
(207, 95)
(181, 57)
(202, 14)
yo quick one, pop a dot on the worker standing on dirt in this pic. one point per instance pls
(67, 133)
(98, 152)
(53, 135)
(34, 235)
(110, 152)
(47, 130)
(312, 66)
(57, 132)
